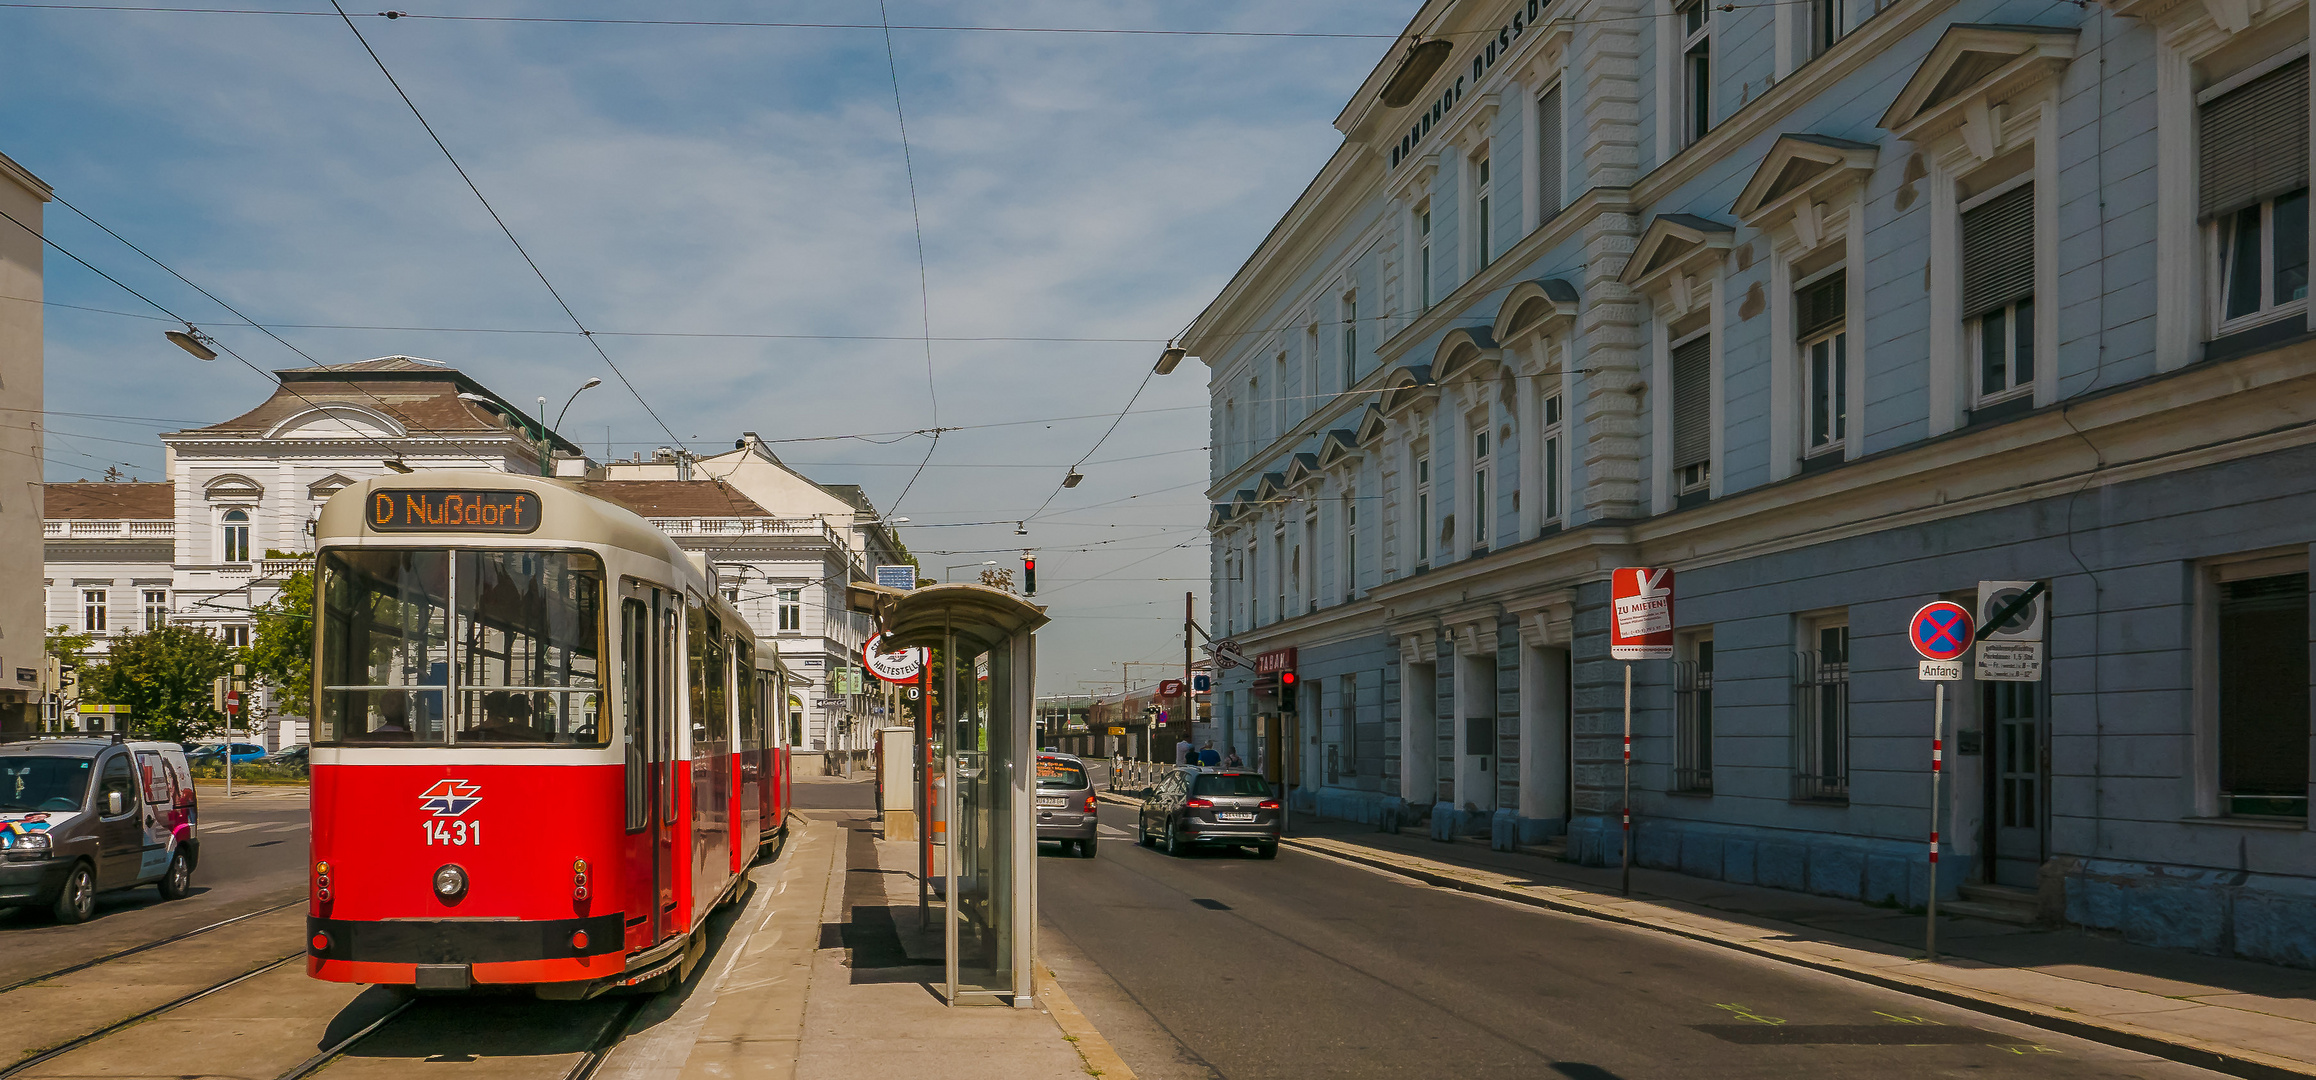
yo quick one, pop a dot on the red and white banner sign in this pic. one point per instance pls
(1170, 688)
(892, 667)
(1642, 628)
(1274, 661)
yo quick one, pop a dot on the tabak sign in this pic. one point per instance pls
(1274, 661)
(405, 510)
(1642, 626)
(893, 667)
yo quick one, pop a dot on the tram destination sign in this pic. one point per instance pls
(404, 510)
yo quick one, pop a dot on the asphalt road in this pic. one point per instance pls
(253, 856)
(1222, 965)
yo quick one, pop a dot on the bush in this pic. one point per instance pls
(251, 774)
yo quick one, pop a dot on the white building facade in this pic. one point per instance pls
(1836, 309)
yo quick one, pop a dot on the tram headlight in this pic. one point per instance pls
(450, 882)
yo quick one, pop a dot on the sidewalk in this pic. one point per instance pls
(2234, 1016)
(823, 973)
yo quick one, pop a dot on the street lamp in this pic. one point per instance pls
(945, 571)
(583, 388)
(192, 340)
(1170, 359)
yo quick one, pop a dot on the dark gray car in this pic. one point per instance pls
(1066, 803)
(1212, 806)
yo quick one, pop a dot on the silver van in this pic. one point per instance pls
(81, 816)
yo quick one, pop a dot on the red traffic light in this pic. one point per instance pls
(1286, 678)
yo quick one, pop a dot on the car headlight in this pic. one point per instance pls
(31, 841)
(450, 882)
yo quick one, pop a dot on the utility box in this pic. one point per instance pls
(897, 780)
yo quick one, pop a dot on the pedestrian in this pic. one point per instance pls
(1207, 755)
(1182, 751)
(1231, 760)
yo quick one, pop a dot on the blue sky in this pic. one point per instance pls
(704, 179)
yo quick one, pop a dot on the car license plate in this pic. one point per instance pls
(1234, 817)
(1052, 804)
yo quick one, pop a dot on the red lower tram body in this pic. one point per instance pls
(553, 889)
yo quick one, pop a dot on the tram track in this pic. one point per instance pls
(90, 1039)
(146, 947)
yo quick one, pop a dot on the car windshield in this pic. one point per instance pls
(54, 784)
(1211, 784)
(1065, 775)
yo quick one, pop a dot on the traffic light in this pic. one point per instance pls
(1028, 576)
(1286, 691)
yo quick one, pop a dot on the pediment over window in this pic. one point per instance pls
(232, 487)
(1240, 502)
(1339, 445)
(1974, 66)
(1466, 352)
(337, 420)
(1218, 517)
(1545, 305)
(1371, 426)
(328, 486)
(1801, 171)
(1272, 485)
(2229, 16)
(1408, 386)
(1673, 251)
(1303, 470)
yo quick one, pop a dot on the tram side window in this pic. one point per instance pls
(385, 646)
(635, 679)
(710, 699)
(751, 731)
(530, 632)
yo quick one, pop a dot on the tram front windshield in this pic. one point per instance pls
(497, 648)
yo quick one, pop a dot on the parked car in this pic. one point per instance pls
(81, 816)
(292, 758)
(214, 753)
(1216, 807)
(1066, 803)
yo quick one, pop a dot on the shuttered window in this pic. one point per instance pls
(1548, 164)
(1998, 251)
(1821, 305)
(2255, 140)
(1692, 403)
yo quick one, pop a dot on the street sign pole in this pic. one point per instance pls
(1627, 800)
(1937, 767)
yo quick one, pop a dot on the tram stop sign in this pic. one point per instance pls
(1940, 631)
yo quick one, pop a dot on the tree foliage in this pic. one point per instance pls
(69, 646)
(163, 675)
(281, 646)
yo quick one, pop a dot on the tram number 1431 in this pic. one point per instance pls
(454, 833)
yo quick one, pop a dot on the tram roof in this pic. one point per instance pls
(567, 515)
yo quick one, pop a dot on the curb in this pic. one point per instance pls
(2248, 1064)
(1101, 1059)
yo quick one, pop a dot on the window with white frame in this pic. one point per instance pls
(1351, 542)
(1350, 340)
(1828, 21)
(1254, 412)
(1279, 570)
(1481, 514)
(1347, 730)
(1230, 444)
(1308, 581)
(1555, 438)
(156, 608)
(1694, 21)
(1998, 285)
(1248, 568)
(234, 541)
(2253, 191)
(1483, 187)
(1423, 257)
(1821, 710)
(2257, 630)
(1821, 319)
(1692, 464)
(235, 635)
(1550, 133)
(92, 610)
(731, 594)
(1693, 714)
(791, 609)
(1422, 508)
(1282, 407)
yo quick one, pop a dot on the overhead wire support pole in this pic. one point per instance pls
(1626, 801)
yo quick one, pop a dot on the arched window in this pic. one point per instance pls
(236, 536)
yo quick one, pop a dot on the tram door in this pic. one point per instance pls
(644, 654)
(665, 612)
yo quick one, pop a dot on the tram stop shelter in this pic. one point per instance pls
(980, 757)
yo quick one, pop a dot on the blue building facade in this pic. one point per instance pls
(1836, 310)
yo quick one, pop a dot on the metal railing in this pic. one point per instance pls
(1692, 727)
(1821, 727)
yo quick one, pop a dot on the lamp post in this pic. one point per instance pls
(947, 570)
(583, 388)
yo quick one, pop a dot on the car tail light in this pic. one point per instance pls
(1198, 804)
(579, 880)
(322, 882)
(1093, 803)
(1267, 804)
(321, 942)
(579, 939)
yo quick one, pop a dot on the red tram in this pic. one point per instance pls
(544, 746)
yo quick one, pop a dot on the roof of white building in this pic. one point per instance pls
(419, 395)
(109, 501)
(675, 498)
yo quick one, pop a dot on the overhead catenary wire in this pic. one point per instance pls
(924, 286)
(502, 224)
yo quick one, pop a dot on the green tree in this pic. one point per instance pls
(163, 675)
(281, 648)
(69, 646)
